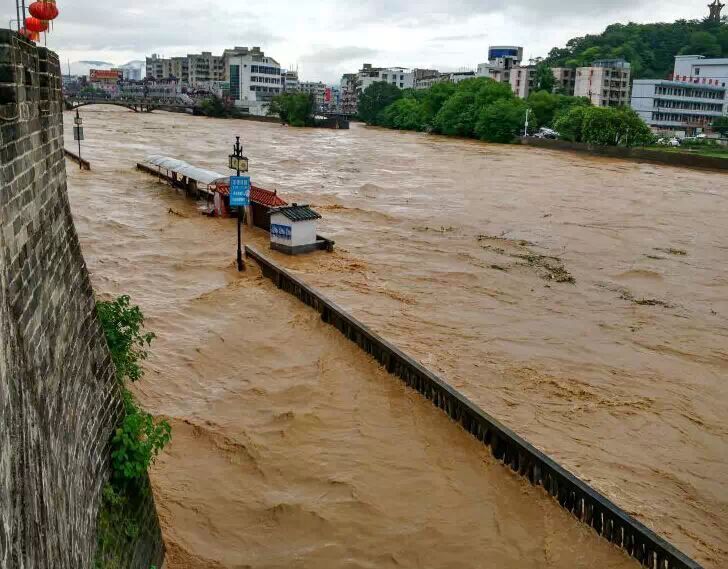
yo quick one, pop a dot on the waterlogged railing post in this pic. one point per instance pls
(574, 495)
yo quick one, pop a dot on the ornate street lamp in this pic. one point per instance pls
(239, 192)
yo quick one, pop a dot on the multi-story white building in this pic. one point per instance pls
(254, 79)
(290, 79)
(678, 107)
(397, 76)
(605, 83)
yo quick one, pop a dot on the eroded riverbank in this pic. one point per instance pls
(448, 248)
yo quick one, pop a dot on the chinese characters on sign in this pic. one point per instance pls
(239, 191)
(280, 231)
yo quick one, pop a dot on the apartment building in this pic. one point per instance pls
(205, 69)
(678, 107)
(349, 98)
(317, 90)
(522, 80)
(290, 80)
(254, 79)
(605, 83)
(565, 80)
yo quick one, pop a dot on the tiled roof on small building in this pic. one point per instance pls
(257, 195)
(297, 212)
(266, 197)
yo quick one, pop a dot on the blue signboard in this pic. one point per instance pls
(239, 191)
(280, 231)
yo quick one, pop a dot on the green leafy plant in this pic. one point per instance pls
(720, 125)
(136, 443)
(375, 99)
(122, 325)
(295, 109)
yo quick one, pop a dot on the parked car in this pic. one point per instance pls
(544, 132)
(668, 141)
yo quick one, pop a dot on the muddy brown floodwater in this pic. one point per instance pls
(582, 301)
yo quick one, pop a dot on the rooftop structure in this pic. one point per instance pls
(700, 69)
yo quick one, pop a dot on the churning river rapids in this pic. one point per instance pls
(582, 301)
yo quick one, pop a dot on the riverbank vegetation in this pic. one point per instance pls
(215, 107)
(604, 126)
(136, 441)
(294, 109)
(488, 110)
(650, 48)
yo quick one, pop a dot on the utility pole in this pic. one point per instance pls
(525, 127)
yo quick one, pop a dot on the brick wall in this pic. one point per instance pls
(59, 400)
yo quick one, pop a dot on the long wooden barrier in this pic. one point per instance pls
(583, 501)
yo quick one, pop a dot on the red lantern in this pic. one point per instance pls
(44, 10)
(30, 34)
(35, 25)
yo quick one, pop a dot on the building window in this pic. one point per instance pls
(697, 71)
(235, 82)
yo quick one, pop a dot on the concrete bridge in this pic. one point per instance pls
(146, 105)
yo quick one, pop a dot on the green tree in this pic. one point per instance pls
(458, 115)
(702, 43)
(570, 124)
(295, 109)
(547, 106)
(375, 99)
(406, 113)
(487, 91)
(605, 126)
(544, 79)
(720, 125)
(501, 121)
(650, 48)
(434, 98)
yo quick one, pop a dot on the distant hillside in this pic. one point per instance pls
(650, 48)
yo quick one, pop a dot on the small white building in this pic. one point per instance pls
(293, 229)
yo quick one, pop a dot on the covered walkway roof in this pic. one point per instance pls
(182, 168)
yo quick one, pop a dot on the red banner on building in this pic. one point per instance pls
(327, 96)
(105, 75)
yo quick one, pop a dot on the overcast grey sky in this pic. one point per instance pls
(326, 38)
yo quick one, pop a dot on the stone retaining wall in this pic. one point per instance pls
(59, 399)
(640, 154)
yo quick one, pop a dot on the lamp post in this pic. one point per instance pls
(78, 135)
(239, 163)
